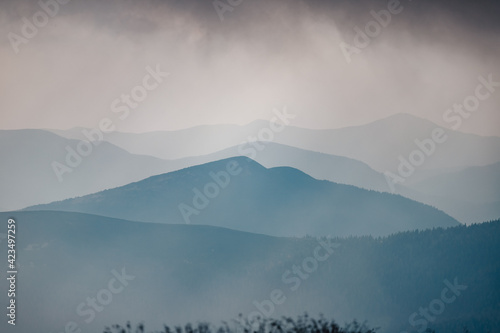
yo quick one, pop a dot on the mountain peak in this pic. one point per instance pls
(405, 119)
(239, 193)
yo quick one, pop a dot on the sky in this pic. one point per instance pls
(235, 64)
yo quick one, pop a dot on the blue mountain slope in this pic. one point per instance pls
(178, 273)
(279, 201)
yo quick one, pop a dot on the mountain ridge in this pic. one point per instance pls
(383, 280)
(280, 201)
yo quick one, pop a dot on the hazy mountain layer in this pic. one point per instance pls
(378, 144)
(30, 157)
(240, 194)
(91, 271)
(39, 167)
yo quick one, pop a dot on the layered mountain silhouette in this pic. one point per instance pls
(27, 173)
(475, 184)
(380, 145)
(377, 144)
(321, 166)
(279, 201)
(30, 154)
(471, 195)
(179, 273)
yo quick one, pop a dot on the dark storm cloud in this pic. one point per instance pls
(265, 53)
(480, 16)
(276, 19)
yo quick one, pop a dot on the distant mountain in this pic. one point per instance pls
(27, 174)
(378, 144)
(463, 211)
(321, 166)
(474, 184)
(381, 142)
(279, 201)
(32, 153)
(29, 154)
(170, 145)
(174, 274)
(470, 195)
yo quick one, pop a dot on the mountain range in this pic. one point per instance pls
(377, 144)
(32, 154)
(467, 188)
(174, 274)
(279, 201)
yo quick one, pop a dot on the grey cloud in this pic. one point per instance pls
(264, 54)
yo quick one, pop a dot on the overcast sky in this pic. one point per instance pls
(263, 54)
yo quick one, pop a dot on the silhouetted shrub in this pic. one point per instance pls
(303, 324)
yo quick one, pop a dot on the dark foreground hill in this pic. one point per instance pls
(278, 201)
(91, 271)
